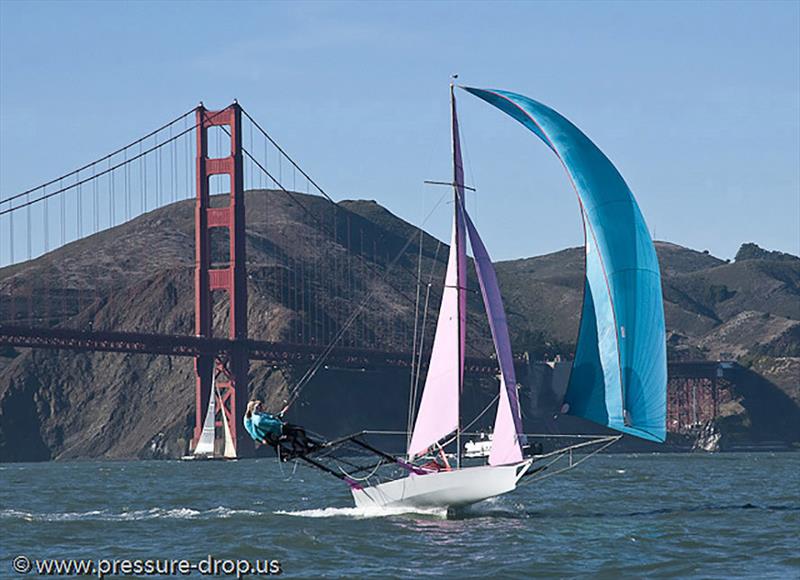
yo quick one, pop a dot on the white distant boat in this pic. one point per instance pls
(207, 443)
(476, 449)
(618, 377)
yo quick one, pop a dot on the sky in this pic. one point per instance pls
(696, 103)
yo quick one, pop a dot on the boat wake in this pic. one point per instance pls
(127, 515)
(365, 512)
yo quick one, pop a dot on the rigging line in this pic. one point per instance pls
(354, 315)
(464, 429)
(575, 464)
(328, 349)
(104, 172)
(411, 391)
(596, 438)
(418, 373)
(366, 477)
(466, 160)
(482, 413)
(88, 165)
(422, 334)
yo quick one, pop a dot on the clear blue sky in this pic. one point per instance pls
(697, 104)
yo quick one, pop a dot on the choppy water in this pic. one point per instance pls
(617, 515)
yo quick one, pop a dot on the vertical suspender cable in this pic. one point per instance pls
(126, 176)
(64, 289)
(30, 286)
(111, 198)
(79, 235)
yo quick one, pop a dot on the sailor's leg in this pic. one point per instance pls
(300, 438)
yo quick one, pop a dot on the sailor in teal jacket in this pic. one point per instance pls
(262, 426)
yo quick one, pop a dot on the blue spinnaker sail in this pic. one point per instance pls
(619, 376)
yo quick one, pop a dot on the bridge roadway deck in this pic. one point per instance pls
(192, 346)
(276, 353)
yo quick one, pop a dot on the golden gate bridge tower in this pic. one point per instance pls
(225, 373)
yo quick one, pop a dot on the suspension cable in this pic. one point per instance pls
(302, 206)
(104, 158)
(279, 148)
(99, 174)
(297, 201)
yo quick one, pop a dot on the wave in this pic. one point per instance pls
(364, 512)
(518, 511)
(219, 512)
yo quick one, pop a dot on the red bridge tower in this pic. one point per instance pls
(228, 371)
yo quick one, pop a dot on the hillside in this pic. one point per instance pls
(139, 277)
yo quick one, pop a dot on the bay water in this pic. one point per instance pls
(667, 515)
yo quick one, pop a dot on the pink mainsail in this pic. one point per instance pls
(508, 422)
(438, 410)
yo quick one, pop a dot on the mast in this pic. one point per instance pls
(457, 179)
(439, 410)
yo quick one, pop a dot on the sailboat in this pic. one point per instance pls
(439, 417)
(206, 444)
(619, 373)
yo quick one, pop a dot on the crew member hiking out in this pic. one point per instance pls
(289, 440)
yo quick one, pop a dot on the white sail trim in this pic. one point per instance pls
(205, 445)
(229, 451)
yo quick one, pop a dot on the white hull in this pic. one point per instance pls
(444, 488)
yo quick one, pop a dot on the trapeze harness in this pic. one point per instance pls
(289, 441)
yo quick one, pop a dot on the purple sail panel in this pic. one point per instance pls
(508, 424)
(438, 410)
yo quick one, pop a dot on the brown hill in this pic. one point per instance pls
(310, 264)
